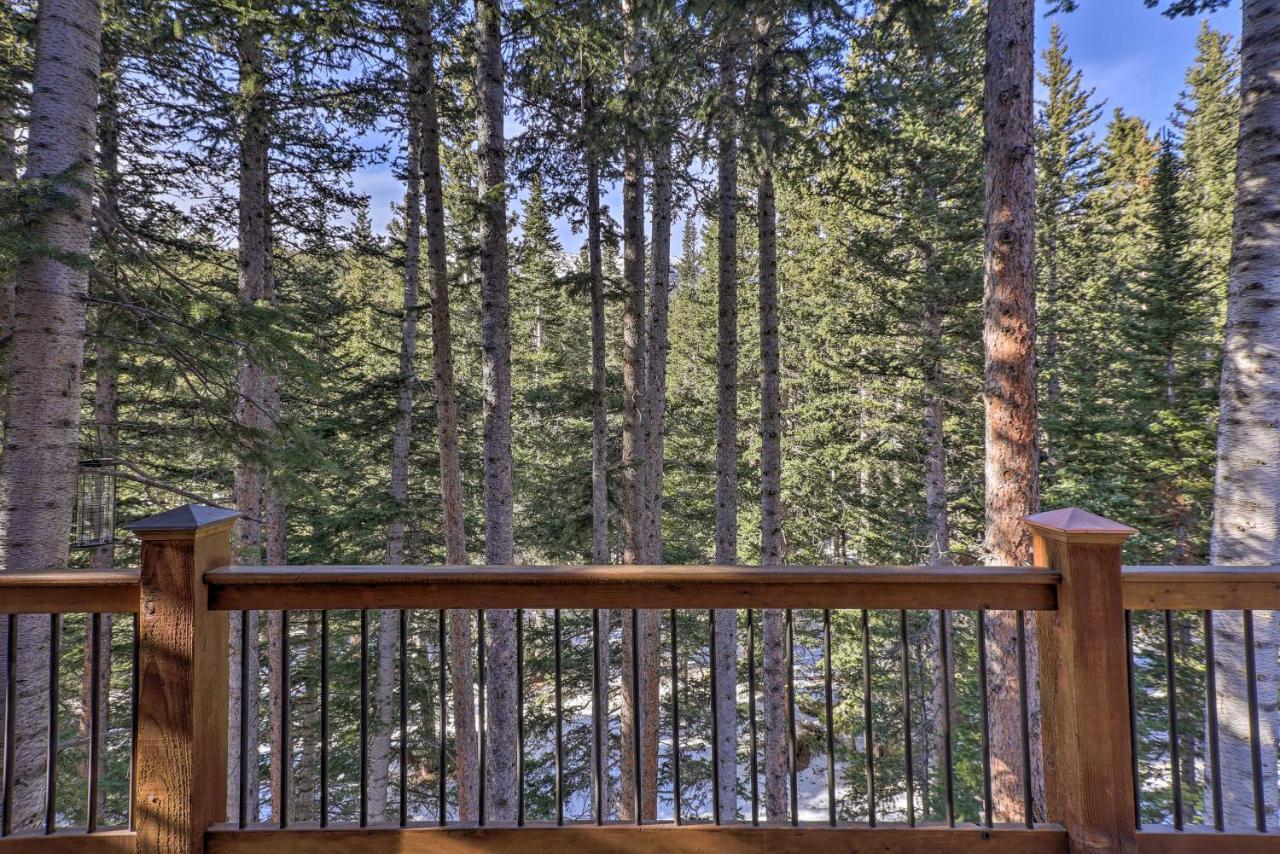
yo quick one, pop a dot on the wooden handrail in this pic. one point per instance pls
(113, 591)
(336, 587)
(1213, 588)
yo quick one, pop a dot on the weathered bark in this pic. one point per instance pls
(8, 177)
(260, 530)
(499, 547)
(776, 768)
(1246, 496)
(773, 651)
(455, 538)
(726, 534)
(599, 429)
(42, 407)
(384, 696)
(1009, 315)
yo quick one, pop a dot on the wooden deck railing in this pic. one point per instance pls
(1078, 591)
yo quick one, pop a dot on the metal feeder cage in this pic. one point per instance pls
(94, 523)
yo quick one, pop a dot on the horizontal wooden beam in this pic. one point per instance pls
(1212, 588)
(337, 587)
(631, 839)
(70, 842)
(74, 591)
(1206, 842)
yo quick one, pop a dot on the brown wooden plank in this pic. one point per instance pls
(1214, 588)
(630, 839)
(70, 842)
(315, 587)
(69, 592)
(1206, 842)
(181, 771)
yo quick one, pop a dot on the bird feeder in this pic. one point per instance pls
(94, 522)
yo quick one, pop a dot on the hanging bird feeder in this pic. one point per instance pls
(94, 523)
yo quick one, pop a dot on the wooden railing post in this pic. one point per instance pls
(180, 784)
(1084, 687)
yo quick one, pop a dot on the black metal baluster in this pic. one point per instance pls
(484, 724)
(246, 696)
(555, 616)
(1211, 723)
(442, 758)
(1024, 709)
(1133, 720)
(519, 717)
(791, 718)
(95, 717)
(715, 725)
(364, 718)
(283, 749)
(906, 718)
(830, 722)
(1171, 687)
(404, 717)
(10, 723)
(751, 716)
(51, 766)
(944, 644)
(986, 718)
(133, 718)
(675, 718)
(1255, 741)
(324, 718)
(868, 730)
(636, 777)
(597, 719)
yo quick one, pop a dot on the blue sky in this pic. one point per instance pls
(1133, 56)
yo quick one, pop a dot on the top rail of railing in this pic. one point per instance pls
(925, 587)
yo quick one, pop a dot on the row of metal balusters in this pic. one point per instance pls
(599, 774)
(1213, 757)
(95, 733)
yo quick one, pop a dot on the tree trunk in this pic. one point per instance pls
(1246, 499)
(462, 683)
(599, 434)
(776, 769)
(634, 399)
(42, 408)
(8, 177)
(726, 543)
(1012, 463)
(499, 547)
(254, 390)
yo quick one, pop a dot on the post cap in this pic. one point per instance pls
(1078, 526)
(189, 518)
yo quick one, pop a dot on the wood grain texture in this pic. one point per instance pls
(1085, 694)
(304, 587)
(69, 592)
(181, 776)
(71, 842)
(1215, 588)
(623, 839)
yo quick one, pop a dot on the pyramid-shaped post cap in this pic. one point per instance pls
(189, 518)
(1077, 526)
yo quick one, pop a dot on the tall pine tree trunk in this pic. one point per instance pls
(599, 429)
(499, 543)
(8, 177)
(1009, 316)
(42, 407)
(254, 393)
(725, 701)
(771, 543)
(634, 397)
(466, 757)
(1246, 496)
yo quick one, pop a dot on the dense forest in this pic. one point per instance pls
(852, 289)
